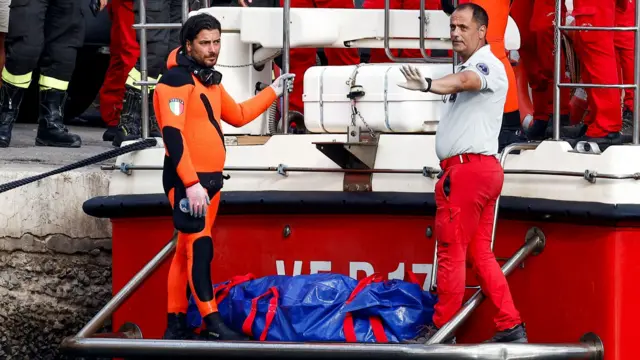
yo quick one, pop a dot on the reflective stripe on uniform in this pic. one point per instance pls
(134, 76)
(47, 83)
(21, 81)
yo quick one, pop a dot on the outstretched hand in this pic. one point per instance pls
(415, 80)
(284, 81)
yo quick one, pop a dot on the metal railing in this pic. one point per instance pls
(427, 171)
(423, 22)
(143, 26)
(144, 82)
(558, 27)
(128, 342)
(286, 44)
(534, 244)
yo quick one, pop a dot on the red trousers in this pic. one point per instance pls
(124, 54)
(379, 55)
(466, 198)
(535, 22)
(624, 45)
(597, 55)
(303, 58)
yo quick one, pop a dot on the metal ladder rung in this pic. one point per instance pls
(157, 26)
(557, 68)
(603, 86)
(145, 83)
(598, 28)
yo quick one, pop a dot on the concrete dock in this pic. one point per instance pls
(55, 261)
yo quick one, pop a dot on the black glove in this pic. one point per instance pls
(94, 5)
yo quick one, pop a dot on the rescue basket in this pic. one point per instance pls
(322, 307)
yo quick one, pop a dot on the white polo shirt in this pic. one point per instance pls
(471, 120)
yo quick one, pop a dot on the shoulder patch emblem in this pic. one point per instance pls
(176, 106)
(483, 68)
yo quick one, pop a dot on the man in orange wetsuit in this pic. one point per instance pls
(535, 20)
(190, 102)
(624, 44)
(498, 11)
(301, 59)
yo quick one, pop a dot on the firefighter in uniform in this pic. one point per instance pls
(190, 103)
(472, 178)
(43, 34)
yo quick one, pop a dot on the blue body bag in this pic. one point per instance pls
(322, 307)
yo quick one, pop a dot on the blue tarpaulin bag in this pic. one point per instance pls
(321, 307)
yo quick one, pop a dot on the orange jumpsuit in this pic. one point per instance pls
(189, 114)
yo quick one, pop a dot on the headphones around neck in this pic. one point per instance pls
(207, 76)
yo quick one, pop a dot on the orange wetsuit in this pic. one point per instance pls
(189, 114)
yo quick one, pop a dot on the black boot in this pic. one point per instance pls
(177, 328)
(10, 99)
(154, 128)
(510, 136)
(627, 123)
(517, 334)
(426, 333)
(129, 127)
(51, 129)
(542, 130)
(217, 330)
(109, 134)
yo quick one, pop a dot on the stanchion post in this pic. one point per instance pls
(636, 79)
(143, 70)
(286, 21)
(556, 72)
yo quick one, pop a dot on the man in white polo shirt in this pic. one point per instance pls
(471, 181)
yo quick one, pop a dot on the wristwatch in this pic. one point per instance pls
(428, 85)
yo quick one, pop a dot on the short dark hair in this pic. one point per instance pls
(192, 27)
(480, 15)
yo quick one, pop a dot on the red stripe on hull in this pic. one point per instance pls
(584, 280)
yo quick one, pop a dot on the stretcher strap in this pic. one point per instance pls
(221, 292)
(271, 313)
(376, 323)
(411, 277)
